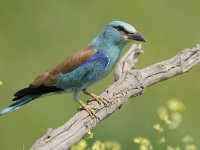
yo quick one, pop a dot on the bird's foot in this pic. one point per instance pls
(89, 109)
(99, 99)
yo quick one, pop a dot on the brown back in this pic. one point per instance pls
(50, 77)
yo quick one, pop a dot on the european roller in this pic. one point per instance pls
(85, 67)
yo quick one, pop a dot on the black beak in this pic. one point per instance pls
(136, 36)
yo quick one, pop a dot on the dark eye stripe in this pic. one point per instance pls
(122, 29)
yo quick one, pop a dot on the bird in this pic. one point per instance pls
(82, 69)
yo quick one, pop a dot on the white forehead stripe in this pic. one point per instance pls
(127, 26)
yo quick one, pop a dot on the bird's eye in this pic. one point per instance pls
(119, 28)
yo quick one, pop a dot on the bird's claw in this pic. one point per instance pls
(99, 99)
(102, 100)
(81, 108)
(91, 110)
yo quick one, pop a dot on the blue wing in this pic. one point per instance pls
(84, 75)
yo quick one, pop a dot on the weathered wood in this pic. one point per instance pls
(130, 84)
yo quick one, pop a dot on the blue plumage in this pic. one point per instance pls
(18, 104)
(82, 69)
(84, 75)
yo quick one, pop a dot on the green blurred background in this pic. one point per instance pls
(37, 34)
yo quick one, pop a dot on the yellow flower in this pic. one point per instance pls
(144, 147)
(81, 145)
(144, 143)
(137, 140)
(158, 128)
(106, 145)
(112, 145)
(89, 135)
(163, 114)
(173, 148)
(162, 140)
(177, 118)
(162, 111)
(166, 119)
(1, 83)
(98, 145)
(175, 105)
(187, 139)
(190, 147)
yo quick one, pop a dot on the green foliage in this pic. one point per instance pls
(170, 117)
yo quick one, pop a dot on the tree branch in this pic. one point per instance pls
(130, 84)
(128, 61)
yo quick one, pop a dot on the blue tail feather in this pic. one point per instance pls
(18, 104)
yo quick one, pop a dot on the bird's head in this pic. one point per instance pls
(124, 31)
(116, 34)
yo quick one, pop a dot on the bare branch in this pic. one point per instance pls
(130, 84)
(128, 61)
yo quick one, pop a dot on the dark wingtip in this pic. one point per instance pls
(17, 98)
(42, 89)
(20, 94)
